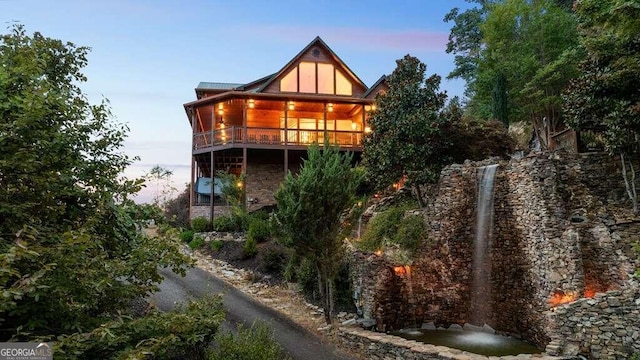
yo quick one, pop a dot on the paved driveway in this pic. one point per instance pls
(296, 340)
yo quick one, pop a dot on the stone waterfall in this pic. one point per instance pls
(481, 311)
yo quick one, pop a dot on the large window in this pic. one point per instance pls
(325, 79)
(316, 78)
(307, 77)
(289, 82)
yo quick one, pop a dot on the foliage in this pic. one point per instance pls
(176, 210)
(250, 248)
(310, 205)
(254, 343)
(522, 48)
(183, 333)
(465, 41)
(186, 236)
(606, 96)
(197, 242)
(161, 180)
(216, 245)
(381, 229)
(224, 224)
(406, 129)
(259, 230)
(233, 189)
(70, 248)
(473, 139)
(200, 224)
(393, 227)
(273, 259)
(411, 233)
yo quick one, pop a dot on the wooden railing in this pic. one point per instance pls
(274, 136)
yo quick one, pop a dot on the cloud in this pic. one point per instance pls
(362, 38)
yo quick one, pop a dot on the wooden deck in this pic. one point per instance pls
(238, 136)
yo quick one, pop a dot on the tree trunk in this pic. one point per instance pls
(416, 187)
(325, 293)
(630, 184)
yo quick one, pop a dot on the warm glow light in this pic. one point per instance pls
(589, 292)
(220, 112)
(292, 105)
(252, 103)
(373, 107)
(378, 252)
(560, 297)
(367, 129)
(367, 108)
(402, 270)
(354, 125)
(329, 107)
(239, 184)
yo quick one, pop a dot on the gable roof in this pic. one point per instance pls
(320, 42)
(382, 82)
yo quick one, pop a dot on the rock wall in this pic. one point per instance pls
(262, 182)
(604, 327)
(205, 211)
(563, 231)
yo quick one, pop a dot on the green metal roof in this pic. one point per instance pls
(217, 86)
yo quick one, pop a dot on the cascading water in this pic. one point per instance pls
(481, 310)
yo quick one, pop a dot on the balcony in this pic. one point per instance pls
(238, 136)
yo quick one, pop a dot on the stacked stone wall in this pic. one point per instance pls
(262, 181)
(563, 231)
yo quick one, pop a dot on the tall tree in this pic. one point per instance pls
(606, 96)
(70, 251)
(310, 205)
(526, 41)
(531, 43)
(465, 41)
(406, 129)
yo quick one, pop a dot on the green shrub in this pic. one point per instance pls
(259, 230)
(381, 229)
(260, 215)
(250, 248)
(411, 232)
(186, 236)
(216, 245)
(254, 343)
(197, 242)
(200, 224)
(184, 333)
(393, 227)
(274, 258)
(224, 224)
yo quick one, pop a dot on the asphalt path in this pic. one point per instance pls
(298, 342)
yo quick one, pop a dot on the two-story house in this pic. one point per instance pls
(263, 128)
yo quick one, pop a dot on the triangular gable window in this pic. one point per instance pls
(289, 82)
(316, 78)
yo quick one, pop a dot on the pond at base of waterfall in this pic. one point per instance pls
(471, 341)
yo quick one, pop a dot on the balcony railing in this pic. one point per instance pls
(274, 136)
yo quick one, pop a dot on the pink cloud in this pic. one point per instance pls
(363, 38)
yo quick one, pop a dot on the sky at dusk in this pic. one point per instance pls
(148, 55)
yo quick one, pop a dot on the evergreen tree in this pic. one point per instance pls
(310, 205)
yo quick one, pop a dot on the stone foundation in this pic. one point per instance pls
(205, 211)
(563, 231)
